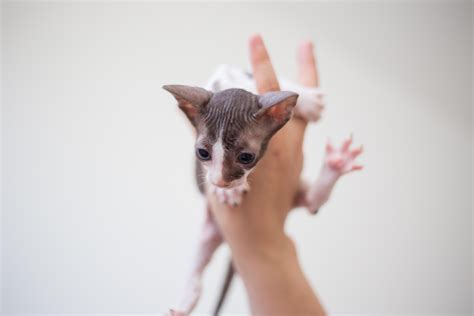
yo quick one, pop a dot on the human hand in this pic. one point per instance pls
(262, 253)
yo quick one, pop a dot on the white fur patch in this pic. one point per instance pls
(215, 168)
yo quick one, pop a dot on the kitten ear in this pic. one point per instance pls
(191, 100)
(277, 105)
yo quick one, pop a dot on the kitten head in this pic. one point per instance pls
(233, 128)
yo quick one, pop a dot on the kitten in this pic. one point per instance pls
(233, 128)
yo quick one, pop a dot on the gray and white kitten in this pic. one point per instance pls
(233, 129)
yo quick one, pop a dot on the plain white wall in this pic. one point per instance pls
(100, 209)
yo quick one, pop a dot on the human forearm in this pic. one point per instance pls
(275, 282)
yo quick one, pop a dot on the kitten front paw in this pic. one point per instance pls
(342, 160)
(233, 196)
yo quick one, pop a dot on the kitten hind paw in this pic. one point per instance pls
(342, 160)
(310, 104)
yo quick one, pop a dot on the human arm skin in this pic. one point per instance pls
(263, 254)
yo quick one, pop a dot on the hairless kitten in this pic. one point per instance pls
(233, 127)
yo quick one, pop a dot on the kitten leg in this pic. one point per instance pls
(209, 241)
(338, 162)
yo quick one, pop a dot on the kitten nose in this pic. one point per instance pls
(220, 183)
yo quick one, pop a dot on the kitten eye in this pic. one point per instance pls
(246, 158)
(203, 154)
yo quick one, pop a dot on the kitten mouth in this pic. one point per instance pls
(230, 185)
(223, 186)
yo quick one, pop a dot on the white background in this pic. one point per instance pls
(100, 209)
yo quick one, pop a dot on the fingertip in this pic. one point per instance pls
(255, 39)
(305, 49)
(306, 45)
